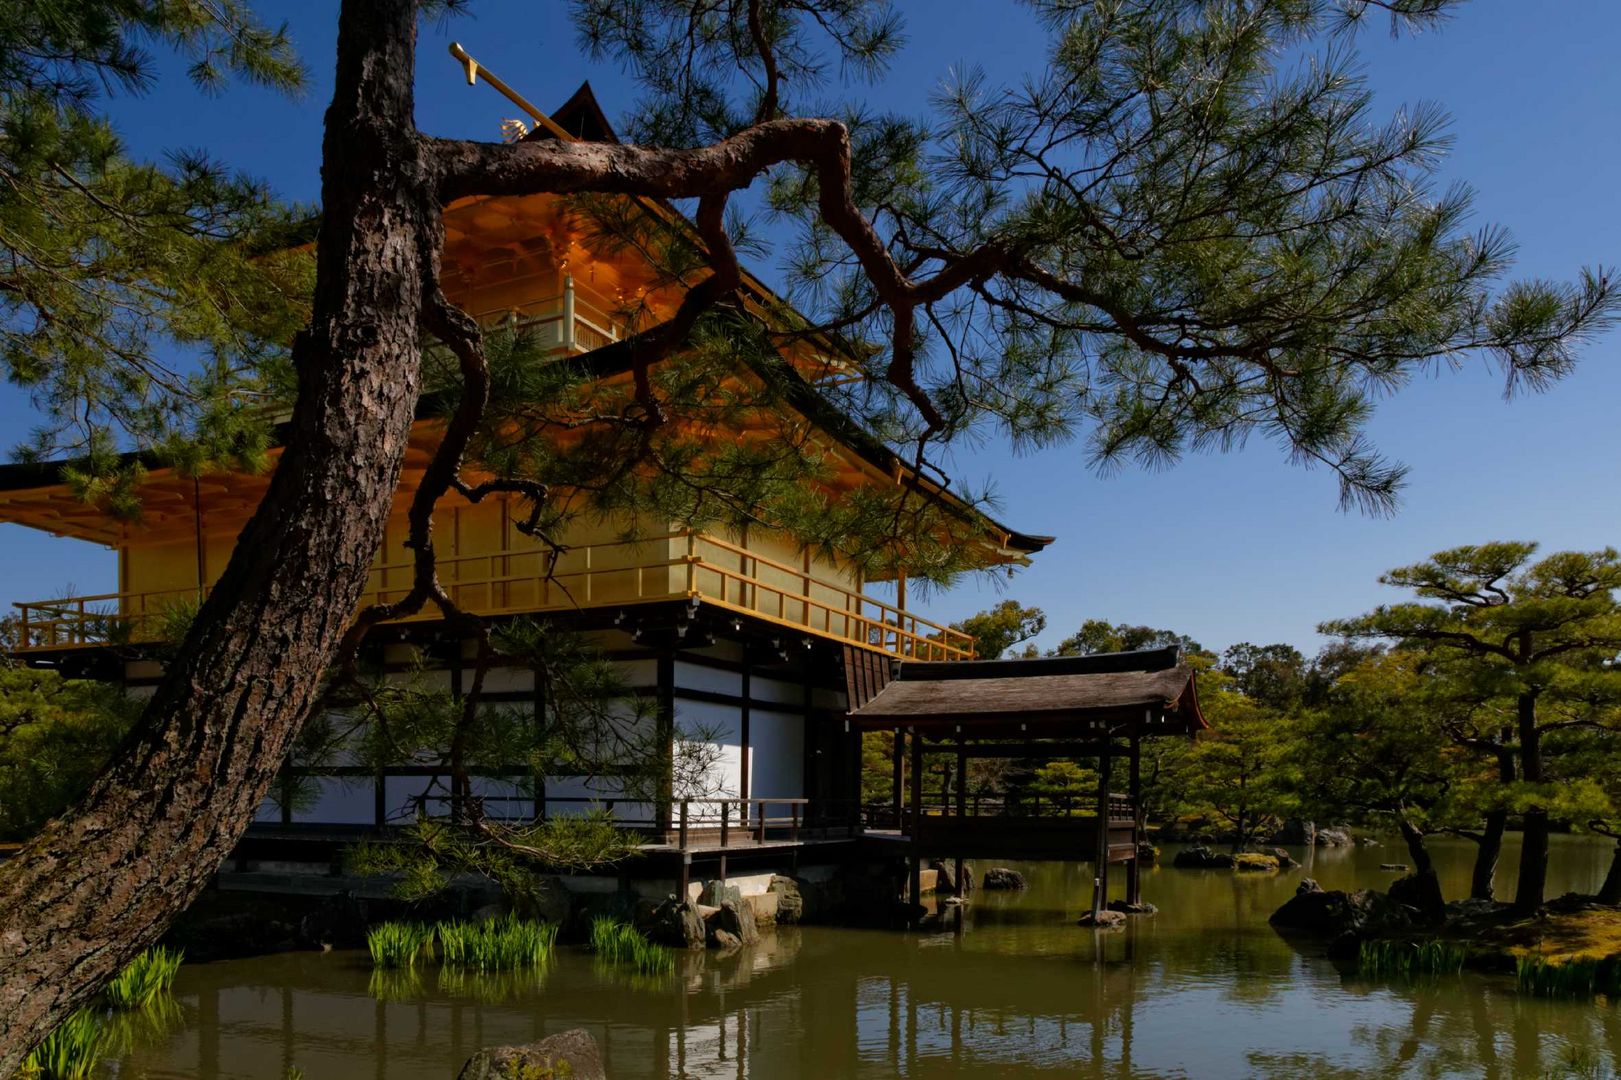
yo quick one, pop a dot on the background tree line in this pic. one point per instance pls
(1489, 698)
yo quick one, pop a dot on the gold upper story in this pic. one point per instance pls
(526, 259)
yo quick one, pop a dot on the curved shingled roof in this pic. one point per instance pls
(1147, 692)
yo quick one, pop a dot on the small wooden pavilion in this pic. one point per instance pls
(1096, 707)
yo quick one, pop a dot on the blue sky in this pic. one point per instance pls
(1227, 548)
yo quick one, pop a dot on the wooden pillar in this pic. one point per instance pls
(856, 742)
(916, 869)
(897, 777)
(1133, 870)
(744, 735)
(664, 727)
(962, 811)
(1100, 880)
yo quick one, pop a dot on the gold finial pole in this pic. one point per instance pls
(474, 69)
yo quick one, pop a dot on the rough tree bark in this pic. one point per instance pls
(1610, 891)
(1533, 878)
(1431, 902)
(1483, 882)
(103, 882)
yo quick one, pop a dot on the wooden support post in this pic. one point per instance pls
(916, 871)
(686, 875)
(962, 811)
(1100, 881)
(568, 329)
(897, 777)
(1133, 868)
(856, 739)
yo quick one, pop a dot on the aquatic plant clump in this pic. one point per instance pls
(496, 944)
(71, 1052)
(616, 942)
(1583, 977)
(1409, 959)
(399, 944)
(144, 979)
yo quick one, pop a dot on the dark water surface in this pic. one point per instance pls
(1205, 989)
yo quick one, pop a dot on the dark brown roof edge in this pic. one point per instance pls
(1144, 660)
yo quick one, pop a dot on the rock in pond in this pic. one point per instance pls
(1255, 862)
(946, 879)
(1341, 918)
(677, 924)
(1296, 831)
(1334, 837)
(1200, 857)
(1394, 867)
(790, 902)
(1141, 907)
(1103, 920)
(1000, 877)
(572, 1054)
(734, 921)
(1286, 861)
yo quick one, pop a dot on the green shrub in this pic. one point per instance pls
(399, 944)
(71, 1052)
(616, 942)
(496, 944)
(55, 736)
(1409, 959)
(146, 978)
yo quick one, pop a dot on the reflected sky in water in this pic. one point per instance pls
(1204, 990)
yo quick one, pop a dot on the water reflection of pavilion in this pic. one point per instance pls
(794, 1007)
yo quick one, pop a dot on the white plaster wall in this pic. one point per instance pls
(339, 801)
(690, 676)
(504, 798)
(777, 758)
(781, 691)
(596, 789)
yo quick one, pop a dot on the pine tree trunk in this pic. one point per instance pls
(1430, 901)
(1483, 882)
(1533, 878)
(103, 882)
(1610, 891)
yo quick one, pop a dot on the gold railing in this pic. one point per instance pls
(674, 566)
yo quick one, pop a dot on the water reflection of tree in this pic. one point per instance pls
(1469, 1026)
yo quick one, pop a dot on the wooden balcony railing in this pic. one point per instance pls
(681, 565)
(575, 321)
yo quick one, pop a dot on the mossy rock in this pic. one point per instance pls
(572, 1055)
(1255, 862)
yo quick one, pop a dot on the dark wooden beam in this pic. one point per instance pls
(1135, 789)
(1100, 882)
(1018, 749)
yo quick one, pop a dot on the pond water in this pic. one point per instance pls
(1205, 989)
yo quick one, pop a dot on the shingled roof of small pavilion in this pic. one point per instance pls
(1146, 692)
